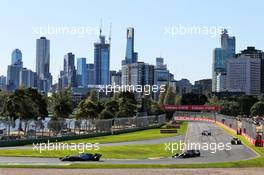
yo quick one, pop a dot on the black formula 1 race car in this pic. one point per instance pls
(206, 133)
(82, 157)
(188, 154)
(236, 141)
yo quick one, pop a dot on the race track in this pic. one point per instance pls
(193, 135)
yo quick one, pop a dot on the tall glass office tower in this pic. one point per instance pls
(42, 57)
(228, 44)
(131, 56)
(221, 56)
(43, 64)
(130, 45)
(101, 62)
(16, 58)
(82, 71)
(69, 70)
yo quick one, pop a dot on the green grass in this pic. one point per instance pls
(256, 162)
(117, 152)
(132, 136)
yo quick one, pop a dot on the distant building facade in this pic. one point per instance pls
(243, 75)
(221, 56)
(101, 62)
(43, 63)
(82, 71)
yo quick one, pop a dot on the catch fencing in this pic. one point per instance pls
(16, 130)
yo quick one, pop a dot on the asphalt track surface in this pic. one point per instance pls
(193, 135)
(201, 171)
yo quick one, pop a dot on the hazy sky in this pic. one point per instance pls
(188, 55)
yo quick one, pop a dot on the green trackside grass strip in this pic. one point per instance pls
(256, 162)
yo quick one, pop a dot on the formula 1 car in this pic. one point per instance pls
(188, 154)
(82, 157)
(236, 141)
(206, 133)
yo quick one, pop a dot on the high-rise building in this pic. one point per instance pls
(13, 70)
(90, 74)
(222, 55)
(116, 78)
(221, 82)
(16, 58)
(161, 73)
(254, 53)
(27, 78)
(2, 82)
(13, 75)
(203, 86)
(101, 62)
(130, 45)
(131, 56)
(69, 71)
(160, 63)
(243, 75)
(82, 71)
(43, 61)
(139, 73)
(183, 86)
(228, 43)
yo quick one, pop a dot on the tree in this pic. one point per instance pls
(257, 109)
(193, 99)
(62, 105)
(8, 110)
(170, 97)
(3, 98)
(156, 109)
(178, 100)
(146, 104)
(261, 97)
(93, 96)
(127, 104)
(112, 106)
(245, 104)
(106, 114)
(25, 104)
(162, 96)
(229, 108)
(213, 100)
(39, 100)
(87, 110)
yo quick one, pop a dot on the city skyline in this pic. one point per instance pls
(151, 41)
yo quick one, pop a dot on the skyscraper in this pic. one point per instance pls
(82, 71)
(131, 56)
(255, 54)
(13, 75)
(70, 70)
(16, 58)
(101, 62)
(27, 78)
(90, 74)
(43, 61)
(2, 82)
(139, 73)
(243, 75)
(130, 45)
(13, 70)
(221, 56)
(228, 43)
